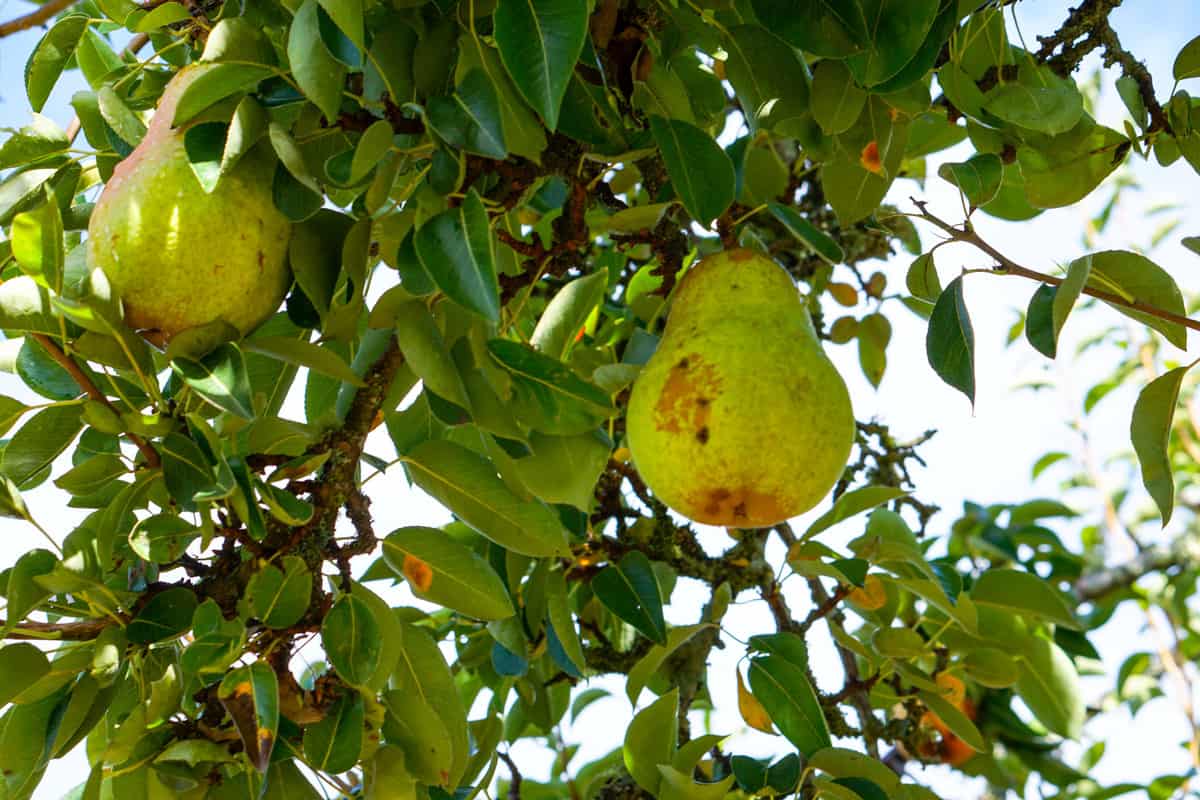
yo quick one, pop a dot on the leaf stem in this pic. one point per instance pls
(88, 385)
(1006, 266)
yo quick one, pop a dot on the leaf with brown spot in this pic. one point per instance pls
(250, 695)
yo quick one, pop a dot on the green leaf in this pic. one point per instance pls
(1132, 276)
(843, 763)
(789, 698)
(1049, 685)
(25, 306)
(700, 170)
(251, 696)
(567, 313)
(350, 636)
(50, 57)
(41, 138)
(456, 248)
(922, 278)
(769, 79)
(22, 665)
(165, 14)
(1068, 292)
(334, 744)
(950, 342)
(348, 16)
(816, 239)
(470, 119)
(220, 378)
(319, 75)
(1024, 593)
(650, 741)
(559, 609)
(425, 677)
(467, 484)
(457, 578)
(39, 441)
(991, 667)
(23, 592)
(630, 590)
(426, 353)
(303, 353)
(895, 31)
(212, 84)
(1150, 431)
(836, 99)
(539, 43)
(852, 503)
(1063, 174)
(37, 243)
(898, 643)
(162, 538)
(564, 469)
(372, 147)
(820, 27)
(279, 597)
(1187, 62)
(205, 147)
(553, 382)
(1038, 100)
(187, 473)
(978, 178)
(650, 664)
(168, 614)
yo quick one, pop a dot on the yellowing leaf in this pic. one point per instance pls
(752, 711)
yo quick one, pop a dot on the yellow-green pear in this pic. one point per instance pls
(180, 257)
(739, 418)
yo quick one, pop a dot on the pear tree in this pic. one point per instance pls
(385, 382)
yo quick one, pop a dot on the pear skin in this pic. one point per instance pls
(179, 257)
(739, 419)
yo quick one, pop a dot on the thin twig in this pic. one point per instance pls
(88, 385)
(1006, 266)
(34, 18)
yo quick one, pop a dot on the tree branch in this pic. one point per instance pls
(1087, 28)
(34, 18)
(58, 631)
(1092, 586)
(1006, 266)
(93, 391)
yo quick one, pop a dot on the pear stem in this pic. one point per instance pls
(93, 391)
(1006, 266)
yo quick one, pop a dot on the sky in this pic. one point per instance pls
(981, 453)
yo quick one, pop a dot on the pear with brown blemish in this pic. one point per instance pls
(739, 419)
(180, 257)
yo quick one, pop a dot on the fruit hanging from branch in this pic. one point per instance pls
(739, 419)
(178, 256)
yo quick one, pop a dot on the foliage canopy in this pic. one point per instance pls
(491, 202)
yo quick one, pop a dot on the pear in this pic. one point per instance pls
(180, 257)
(739, 419)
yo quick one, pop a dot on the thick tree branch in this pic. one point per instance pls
(1006, 266)
(93, 391)
(34, 18)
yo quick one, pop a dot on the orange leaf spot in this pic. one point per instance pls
(418, 572)
(870, 157)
